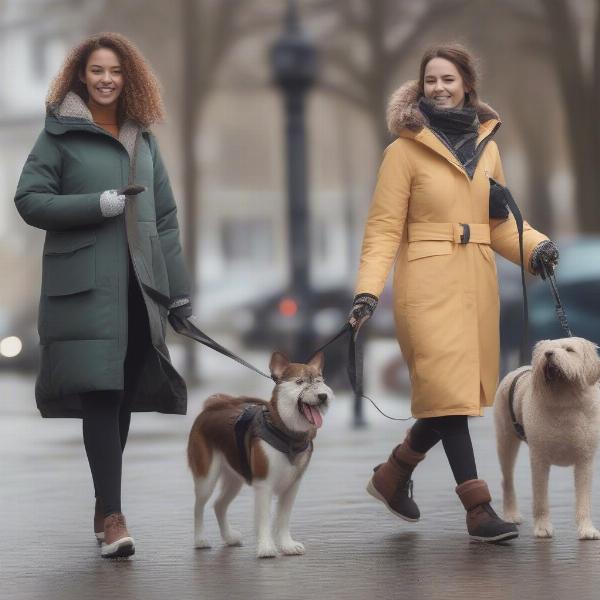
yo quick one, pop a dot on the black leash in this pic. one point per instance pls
(514, 209)
(189, 328)
(354, 370)
(558, 307)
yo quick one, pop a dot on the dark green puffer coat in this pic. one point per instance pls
(83, 307)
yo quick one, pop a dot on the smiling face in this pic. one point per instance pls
(302, 395)
(103, 77)
(443, 84)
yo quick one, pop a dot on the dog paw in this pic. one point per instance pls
(588, 532)
(513, 517)
(233, 538)
(201, 542)
(291, 547)
(543, 529)
(266, 550)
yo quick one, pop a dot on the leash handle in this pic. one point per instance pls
(558, 307)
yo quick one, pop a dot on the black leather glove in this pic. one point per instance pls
(132, 189)
(182, 312)
(546, 254)
(363, 307)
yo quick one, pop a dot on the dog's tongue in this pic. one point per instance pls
(312, 414)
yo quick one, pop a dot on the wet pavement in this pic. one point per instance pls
(355, 549)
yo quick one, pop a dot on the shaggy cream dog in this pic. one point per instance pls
(557, 401)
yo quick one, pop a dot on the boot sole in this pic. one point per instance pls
(503, 537)
(371, 489)
(119, 549)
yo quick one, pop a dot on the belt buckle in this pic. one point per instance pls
(466, 234)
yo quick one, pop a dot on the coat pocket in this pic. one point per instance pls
(425, 248)
(430, 273)
(69, 263)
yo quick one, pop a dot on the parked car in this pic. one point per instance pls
(274, 322)
(578, 279)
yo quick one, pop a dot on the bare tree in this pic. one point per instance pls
(368, 44)
(555, 32)
(580, 90)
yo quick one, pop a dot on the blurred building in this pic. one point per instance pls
(240, 147)
(34, 38)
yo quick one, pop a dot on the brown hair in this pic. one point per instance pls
(140, 99)
(462, 59)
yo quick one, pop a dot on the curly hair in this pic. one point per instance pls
(140, 99)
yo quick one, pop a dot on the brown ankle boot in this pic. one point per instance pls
(391, 482)
(483, 524)
(99, 520)
(117, 541)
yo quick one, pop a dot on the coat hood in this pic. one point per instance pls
(403, 110)
(73, 114)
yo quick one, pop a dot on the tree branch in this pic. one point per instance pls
(431, 16)
(342, 93)
(343, 60)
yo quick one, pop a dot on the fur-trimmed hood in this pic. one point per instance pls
(73, 113)
(403, 110)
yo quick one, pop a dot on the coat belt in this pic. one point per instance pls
(459, 233)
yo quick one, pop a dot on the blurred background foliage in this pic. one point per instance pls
(224, 145)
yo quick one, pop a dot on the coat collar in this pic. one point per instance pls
(405, 120)
(72, 114)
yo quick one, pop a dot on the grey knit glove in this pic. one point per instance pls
(112, 202)
(363, 307)
(545, 253)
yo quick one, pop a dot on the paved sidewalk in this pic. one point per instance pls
(355, 548)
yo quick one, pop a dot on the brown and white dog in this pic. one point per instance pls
(266, 444)
(557, 402)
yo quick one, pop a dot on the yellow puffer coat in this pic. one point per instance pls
(446, 302)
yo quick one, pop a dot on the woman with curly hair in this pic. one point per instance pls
(112, 260)
(437, 216)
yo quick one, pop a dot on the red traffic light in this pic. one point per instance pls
(288, 307)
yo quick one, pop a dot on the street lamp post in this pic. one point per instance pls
(294, 65)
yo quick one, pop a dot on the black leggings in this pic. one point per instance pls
(106, 418)
(107, 413)
(454, 433)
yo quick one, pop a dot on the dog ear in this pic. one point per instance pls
(317, 361)
(278, 364)
(593, 375)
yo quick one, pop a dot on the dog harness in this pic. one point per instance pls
(256, 421)
(519, 429)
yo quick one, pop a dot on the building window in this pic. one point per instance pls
(47, 52)
(247, 240)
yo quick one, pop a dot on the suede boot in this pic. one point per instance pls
(117, 541)
(391, 482)
(483, 524)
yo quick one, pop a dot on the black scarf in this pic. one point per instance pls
(457, 128)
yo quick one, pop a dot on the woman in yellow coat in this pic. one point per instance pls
(431, 217)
